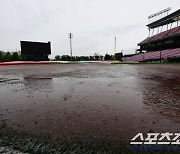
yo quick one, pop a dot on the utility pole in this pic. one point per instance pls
(114, 48)
(71, 36)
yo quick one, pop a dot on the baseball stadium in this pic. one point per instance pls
(112, 104)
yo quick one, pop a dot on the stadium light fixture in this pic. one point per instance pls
(159, 13)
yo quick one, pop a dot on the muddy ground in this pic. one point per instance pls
(102, 101)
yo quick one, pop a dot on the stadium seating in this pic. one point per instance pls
(154, 55)
(165, 45)
(161, 35)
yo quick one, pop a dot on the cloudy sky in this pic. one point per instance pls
(94, 23)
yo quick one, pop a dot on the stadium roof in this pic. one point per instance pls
(175, 16)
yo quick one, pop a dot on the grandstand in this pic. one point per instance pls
(164, 44)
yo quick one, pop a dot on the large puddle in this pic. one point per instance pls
(90, 100)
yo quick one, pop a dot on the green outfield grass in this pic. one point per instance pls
(46, 145)
(42, 145)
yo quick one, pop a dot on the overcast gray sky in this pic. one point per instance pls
(94, 23)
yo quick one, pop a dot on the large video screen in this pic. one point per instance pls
(28, 47)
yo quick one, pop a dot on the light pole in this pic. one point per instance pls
(71, 36)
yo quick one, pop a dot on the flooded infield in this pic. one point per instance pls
(90, 100)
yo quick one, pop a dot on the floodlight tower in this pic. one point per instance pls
(71, 36)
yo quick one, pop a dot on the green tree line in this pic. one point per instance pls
(15, 56)
(96, 57)
(7, 56)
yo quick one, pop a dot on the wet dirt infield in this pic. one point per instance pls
(90, 100)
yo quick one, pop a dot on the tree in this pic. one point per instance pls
(96, 56)
(91, 58)
(118, 56)
(57, 57)
(15, 56)
(108, 57)
(101, 57)
(1, 54)
(6, 57)
(65, 58)
(84, 58)
(76, 58)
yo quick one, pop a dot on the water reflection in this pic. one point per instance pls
(33, 84)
